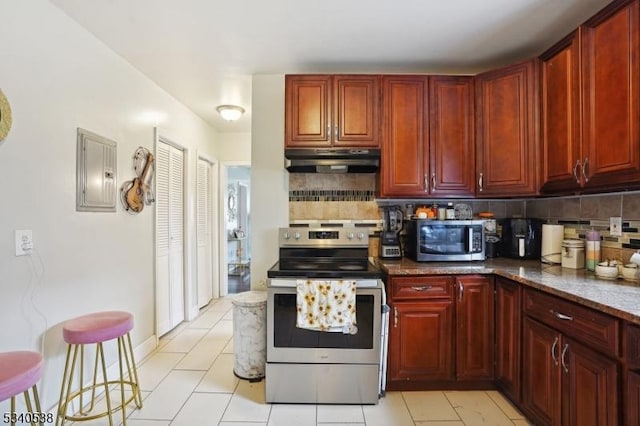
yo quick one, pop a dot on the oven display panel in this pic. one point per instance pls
(324, 235)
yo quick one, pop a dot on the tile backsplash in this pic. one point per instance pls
(352, 196)
(579, 214)
(332, 196)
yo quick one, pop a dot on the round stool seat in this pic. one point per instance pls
(19, 371)
(97, 327)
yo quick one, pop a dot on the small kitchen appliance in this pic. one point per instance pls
(390, 235)
(445, 240)
(521, 238)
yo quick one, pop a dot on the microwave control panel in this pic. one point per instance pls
(476, 241)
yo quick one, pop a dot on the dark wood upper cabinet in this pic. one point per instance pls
(610, 96)
(560, 116)
(451, 136)
(405, 143)
(428, 136)
(332, 110)
(590, 113)
(506, 131)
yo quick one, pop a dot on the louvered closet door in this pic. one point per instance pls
(203, 232)
(169, 237)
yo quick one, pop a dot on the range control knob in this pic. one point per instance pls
(350, 235)
(286, 235)
(361, 235)
(296, 235)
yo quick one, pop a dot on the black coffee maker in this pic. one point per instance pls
(390, 236)
(521, 238)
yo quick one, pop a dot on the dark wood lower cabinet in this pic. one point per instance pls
(541, 392)
(566, 383)
(474, 328)
(483, 332)
(421, 341)
(632, 403)
(590, 386)
(508, 332)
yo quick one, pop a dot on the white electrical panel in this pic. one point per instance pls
(96, 173)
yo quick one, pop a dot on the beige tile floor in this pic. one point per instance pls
(189, 381)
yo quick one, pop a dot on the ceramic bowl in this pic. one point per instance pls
(607, 270)
(631, 272)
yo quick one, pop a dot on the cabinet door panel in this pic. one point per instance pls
(405, 149)
(307, 103)
(508, 323)
(420, 341)
(451, 140)
(560, 106)
(610, 72)
(506, 131)
(541, 372)
(356, 110)
(474, 328)
(590, 386)
(632, 400)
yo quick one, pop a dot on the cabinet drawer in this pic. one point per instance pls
(633, 346)
(593, 328)
(434, 287)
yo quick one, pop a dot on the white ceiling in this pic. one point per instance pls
(203, 52)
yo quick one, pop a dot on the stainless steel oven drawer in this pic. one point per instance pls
(322, 383)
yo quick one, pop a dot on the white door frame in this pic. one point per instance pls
(222, 221)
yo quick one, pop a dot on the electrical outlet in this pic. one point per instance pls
(24, 242)
(615, 226)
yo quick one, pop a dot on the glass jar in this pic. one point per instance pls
(592, 254)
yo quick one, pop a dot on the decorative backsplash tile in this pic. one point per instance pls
(331, 195)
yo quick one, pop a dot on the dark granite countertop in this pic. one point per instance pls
(618, 297)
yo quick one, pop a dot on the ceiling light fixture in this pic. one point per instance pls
(230, 112)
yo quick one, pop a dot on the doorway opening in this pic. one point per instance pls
(238, 228)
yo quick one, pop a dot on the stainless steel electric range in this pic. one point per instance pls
(309, 366)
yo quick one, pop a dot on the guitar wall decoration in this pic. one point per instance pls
(137, 193)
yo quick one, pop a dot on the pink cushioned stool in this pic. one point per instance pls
(19, 372)
(90, 329)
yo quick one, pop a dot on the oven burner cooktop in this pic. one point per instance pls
(334, 253)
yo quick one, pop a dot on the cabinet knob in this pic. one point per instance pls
(433, 181)
(481, 181)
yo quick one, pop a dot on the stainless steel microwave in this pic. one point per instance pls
(444, 240)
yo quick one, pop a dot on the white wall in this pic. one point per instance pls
(58, 77)
(269, 178)
(234, 147)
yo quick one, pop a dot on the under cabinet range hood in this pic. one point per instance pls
(332, 160)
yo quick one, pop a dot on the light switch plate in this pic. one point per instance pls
(615, 226)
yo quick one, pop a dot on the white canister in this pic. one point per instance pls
(573, 254)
